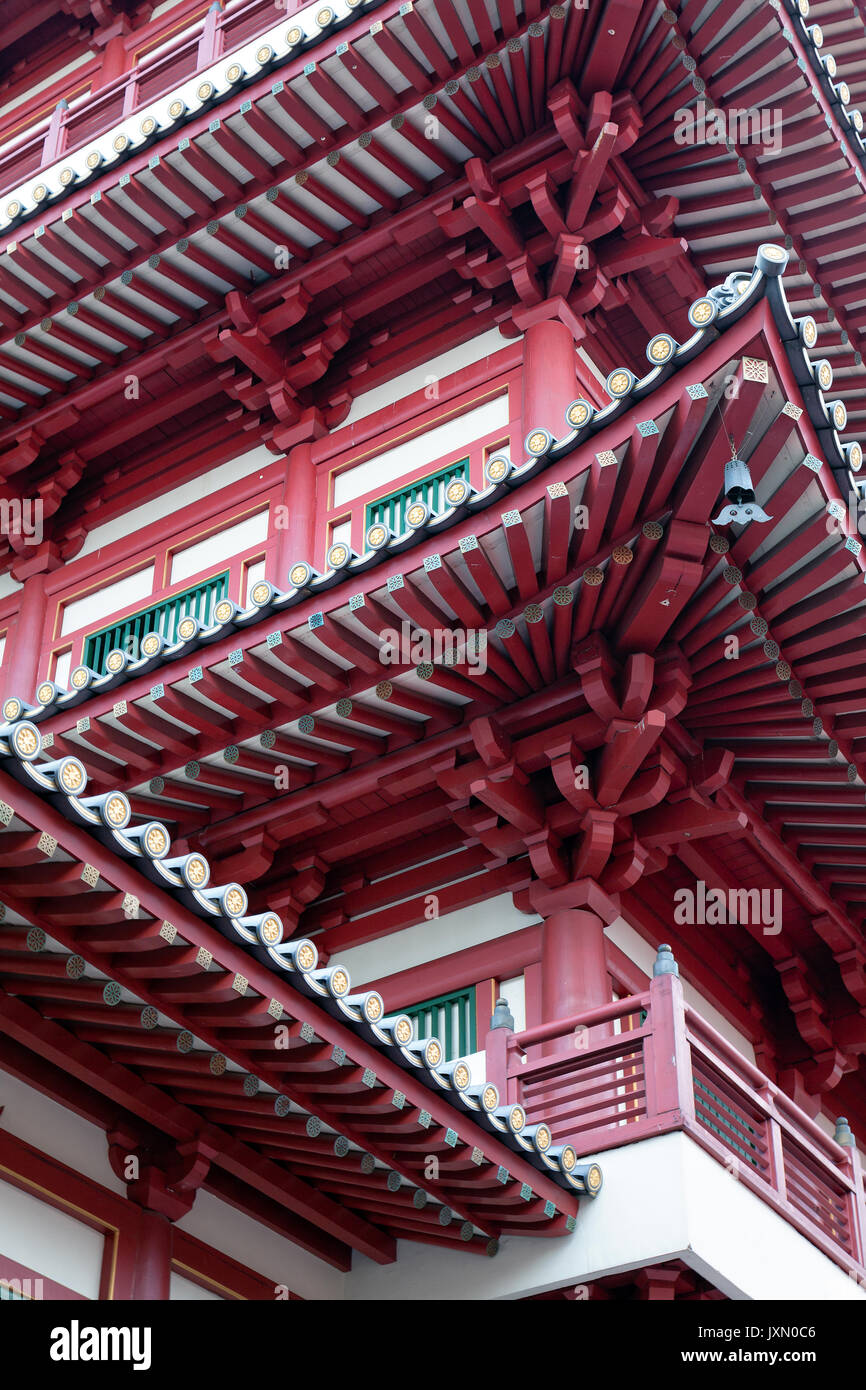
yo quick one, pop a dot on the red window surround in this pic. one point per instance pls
(96, 1206)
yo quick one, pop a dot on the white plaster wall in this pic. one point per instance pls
(61, 670)
(261, 1249)
(454, 436)
(484, 345)
(231, 540)
(48, 1241)
(46, 82)
(56, 1131)
(8, 586)
(426, 941)
(103, 603)
(643, 955)
(342, 532)
(252, 575)
(663, 1198)
(514, 990)
(181, 1288)
(206, 485)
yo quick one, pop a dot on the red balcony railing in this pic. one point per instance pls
(202, 43)
(648, 1065)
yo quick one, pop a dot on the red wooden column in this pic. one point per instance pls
(574, 974)
(296, 539)
(19, 672)
(152, 1257)
(549, 377)
(163, 1191)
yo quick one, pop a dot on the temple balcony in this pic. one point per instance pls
(709, 1164)
(612, 1081)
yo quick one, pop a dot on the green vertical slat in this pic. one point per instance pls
(451, 1018)
(161, 617)
(430, 490)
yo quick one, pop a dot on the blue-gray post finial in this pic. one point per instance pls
(664, 962)
(502, 1016)
(843, 1133)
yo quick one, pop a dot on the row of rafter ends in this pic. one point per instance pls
(202, 92)
(206, 89)
(824, 66)
(276, 47)
(253, 1091)
(63, 781)
(709, 315)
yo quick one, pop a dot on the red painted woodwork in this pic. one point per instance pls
(574, 974)
(21, 657)
(676, 1072)
(549, 377)
(606, 643)
(153, 1257)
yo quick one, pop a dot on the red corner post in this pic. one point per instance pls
(295, 519)
(162, 1182)
(856, 1203)
(549, 378)
(667, 1059)
(574, 976)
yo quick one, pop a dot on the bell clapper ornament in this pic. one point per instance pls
(740, 495)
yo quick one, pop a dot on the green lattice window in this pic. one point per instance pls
(728, 1124)
(198, 602)
(450, 1018)
(391, 510)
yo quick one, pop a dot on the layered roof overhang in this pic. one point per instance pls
(752, 121)
(211, 1039)
(609, 603)
(158, 237)
(309, 238)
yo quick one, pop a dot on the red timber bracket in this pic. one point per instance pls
(835, 1044)
(267, 378)
(159, 1177)
(303, 887)
(613, 768)
(558, 274)
(804, 999)
(112, 20)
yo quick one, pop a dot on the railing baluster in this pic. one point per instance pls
(668, 1063)
(54, 143)
(775, 1152)
(855, 1201)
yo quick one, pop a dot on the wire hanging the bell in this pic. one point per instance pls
(739, 494)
